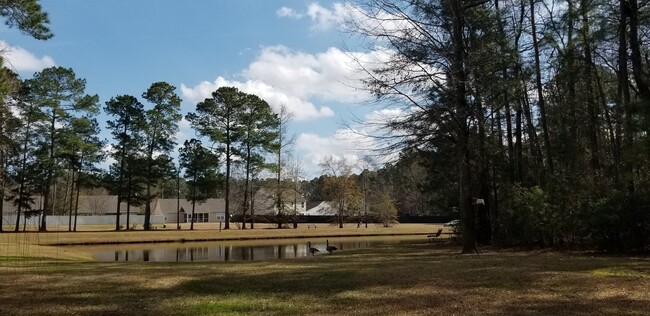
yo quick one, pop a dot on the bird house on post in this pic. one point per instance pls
(479, 202)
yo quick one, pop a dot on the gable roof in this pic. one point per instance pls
(322, 209)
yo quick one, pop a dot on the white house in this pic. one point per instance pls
(210, 211)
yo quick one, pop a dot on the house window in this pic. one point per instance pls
(198, 218)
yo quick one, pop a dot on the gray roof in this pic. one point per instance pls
(322, 209)
(88, 204)
(265, 200)
(104, 204)
(169, 206)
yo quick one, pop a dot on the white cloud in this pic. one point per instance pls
(19, 59)
(314, 149)
(351, 144)
(349, 17)
(289, 13)
(185, 132)
(330, 75)
(296, 79)
(106, 163)
(300, 108)
(325, 19)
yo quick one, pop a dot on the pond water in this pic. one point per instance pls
(231, 251)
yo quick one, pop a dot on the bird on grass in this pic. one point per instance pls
(329, 248)
(311, 249)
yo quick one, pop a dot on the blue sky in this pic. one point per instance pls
(287, 52)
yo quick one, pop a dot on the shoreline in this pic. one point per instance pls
(186, 240)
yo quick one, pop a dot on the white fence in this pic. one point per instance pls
(57, 220)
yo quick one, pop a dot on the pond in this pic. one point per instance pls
(232, 250)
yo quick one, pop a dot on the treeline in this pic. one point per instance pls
(532, 116)
(51, 148)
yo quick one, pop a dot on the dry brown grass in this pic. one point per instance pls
(415, 278)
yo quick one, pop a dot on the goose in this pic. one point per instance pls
(329, 248)
(311, 249)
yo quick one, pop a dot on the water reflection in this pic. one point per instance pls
(223, 252)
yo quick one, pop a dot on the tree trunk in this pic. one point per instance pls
(640, 76)
(612, 132)
(468, 218)
(279, 190)
(572, 146)
(506, 101)
(341, 207)
(484, 230)
(193, 202)
(228, 161)
(592, 104)
(252, 198)
(246, 186)
(50, 170)
(23, 164)
(623, 95)
(178, 198)
(535, 148)
(119, 184)
(540, 91)
(147, 206)
(518, 144)
(128, 200)
(76, 202)
(71, 198)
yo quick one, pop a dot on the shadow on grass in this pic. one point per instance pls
(415, 278)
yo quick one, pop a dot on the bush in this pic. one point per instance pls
(527, 218)
(620, 222)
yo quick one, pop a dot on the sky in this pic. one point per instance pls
(290, 53)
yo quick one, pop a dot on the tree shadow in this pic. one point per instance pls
(415, 278)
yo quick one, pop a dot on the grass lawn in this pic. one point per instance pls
(413, 278)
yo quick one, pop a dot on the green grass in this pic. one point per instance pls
(413, 278)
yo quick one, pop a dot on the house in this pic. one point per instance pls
(88, 205)
(8, 207)
(266, 202)
(104, 205)
(210, 211)
(322, 208)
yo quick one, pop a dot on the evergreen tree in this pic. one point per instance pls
(201, 172)
(160, 127)
(219, 119)
(126, 128)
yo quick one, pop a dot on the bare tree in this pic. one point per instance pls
(340, 186)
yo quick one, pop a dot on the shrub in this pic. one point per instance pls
(619, 222)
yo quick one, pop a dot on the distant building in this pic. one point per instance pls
(104, 205)
(266, 202)
(8, 206)
(210, 211)
(88, 205)
(322, 208)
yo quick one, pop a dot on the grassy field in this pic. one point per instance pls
(412, 278)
